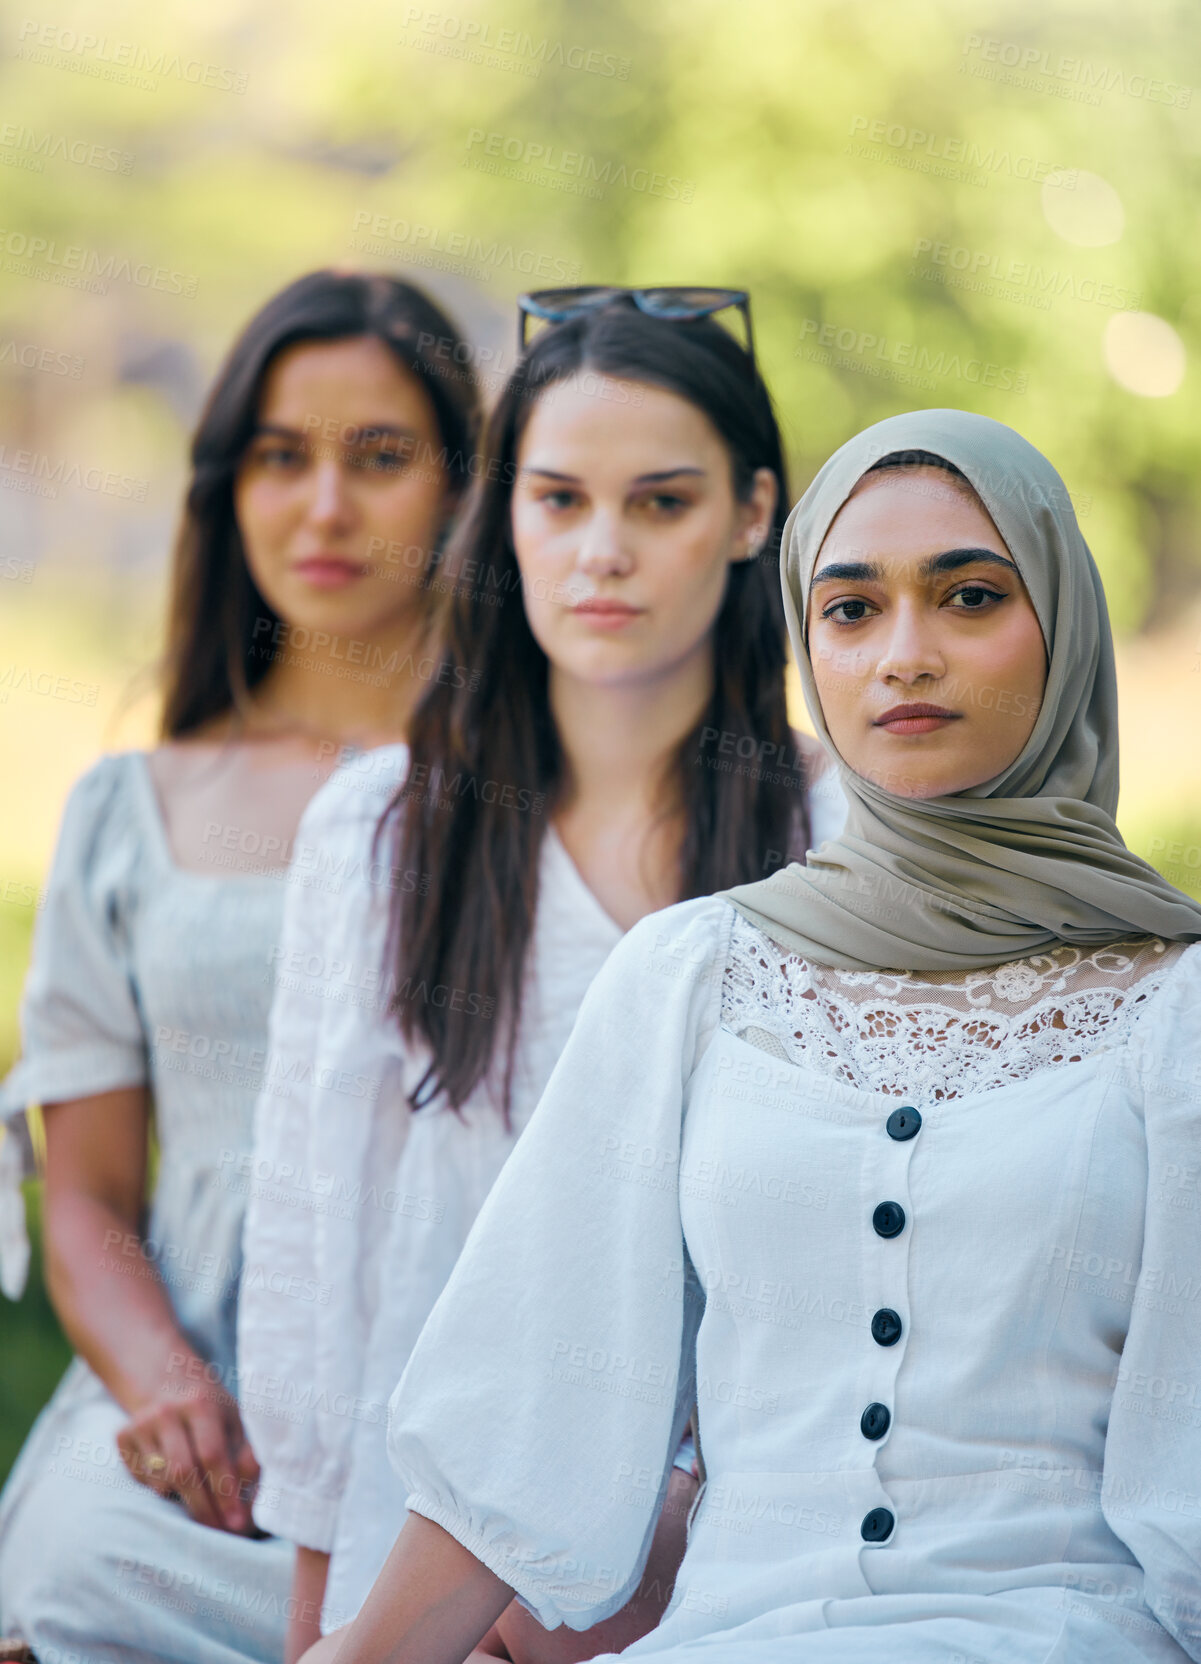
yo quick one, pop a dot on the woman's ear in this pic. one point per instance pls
(755, 516)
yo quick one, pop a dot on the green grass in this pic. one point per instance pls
(34, 1351)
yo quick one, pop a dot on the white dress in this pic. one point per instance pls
(928, 1252)
(144, 974)
(357, 1209)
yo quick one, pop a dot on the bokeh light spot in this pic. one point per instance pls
(1085, 210)
(1144, 354)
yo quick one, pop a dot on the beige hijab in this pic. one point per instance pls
(1026, 860)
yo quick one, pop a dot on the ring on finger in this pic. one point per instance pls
(156, 1464)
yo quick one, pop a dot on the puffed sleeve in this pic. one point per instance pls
(329, 1114)
(1151, 1494)
(81, 1028)
(538, 1415)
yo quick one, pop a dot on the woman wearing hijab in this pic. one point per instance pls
(883, 1159)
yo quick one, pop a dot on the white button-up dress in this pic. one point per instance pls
(358, 1209)
(695, 1209)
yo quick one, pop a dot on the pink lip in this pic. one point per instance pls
(329, 572)
(606, 615)
(915, 719)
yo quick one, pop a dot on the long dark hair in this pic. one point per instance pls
(486, 767)
(213, 654)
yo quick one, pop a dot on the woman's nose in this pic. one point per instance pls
(331, 504)
(909, 651)
(603, 551)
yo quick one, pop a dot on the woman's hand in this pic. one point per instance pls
(184, 1435)
(188, 1441)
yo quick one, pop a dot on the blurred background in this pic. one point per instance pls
(941, 203)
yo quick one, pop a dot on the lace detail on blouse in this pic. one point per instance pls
(944, 1034)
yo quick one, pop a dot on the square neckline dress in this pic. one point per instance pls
(144, 972)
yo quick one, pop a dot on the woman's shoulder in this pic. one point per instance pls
(357, 792)
(105, 808)
(109, 778)
(688, 941)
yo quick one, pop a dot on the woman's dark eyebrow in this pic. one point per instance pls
(643, 479)
(667, 474)
(367, 431)
(952, 559)
(849, 572)
(866, 572)
(276, 429)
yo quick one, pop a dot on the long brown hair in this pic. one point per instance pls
(213, 654)
(486, 766)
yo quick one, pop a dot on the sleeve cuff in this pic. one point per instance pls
(488, 1554)
(299, 1516)
(513, 1572)
(80, 1072)
(14, 1240)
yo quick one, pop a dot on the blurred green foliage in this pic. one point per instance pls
(681, 142)
(885, 179)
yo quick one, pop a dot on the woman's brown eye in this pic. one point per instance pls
(975, 596)
(852, 612)
(278, 456)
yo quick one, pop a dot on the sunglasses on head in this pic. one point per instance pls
(555, 306)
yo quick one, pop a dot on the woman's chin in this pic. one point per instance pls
(910, 780)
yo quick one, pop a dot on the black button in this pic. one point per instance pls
(886, 1327)
(889, 1219)
(903, 1123)
(877, 1525)
(874, 1421)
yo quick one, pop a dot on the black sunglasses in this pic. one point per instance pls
(676, 305)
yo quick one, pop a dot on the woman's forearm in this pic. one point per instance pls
(111, 1301)
(309, 1576)
(431, 1604)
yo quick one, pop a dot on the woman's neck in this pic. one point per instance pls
(351, 689)
(615, 818)
(618, 742)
